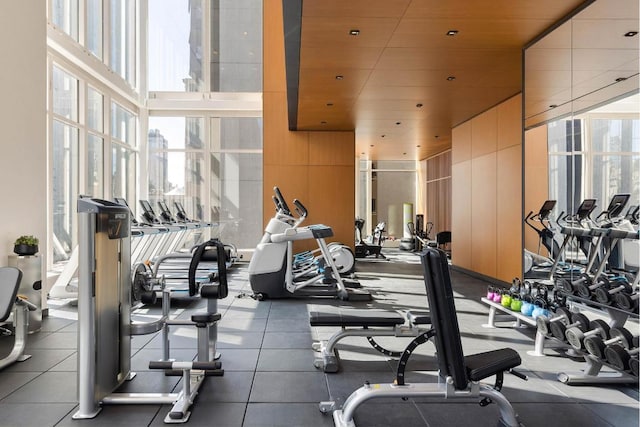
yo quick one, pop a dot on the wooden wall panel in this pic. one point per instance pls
(483, 211)
(461, 214)
(332, 148)
(461, 143)
(536, 179)
(510, 113)
(316, 167)
(273, 76)
(509, 213)
(484, 133)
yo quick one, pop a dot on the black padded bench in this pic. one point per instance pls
(460, 376)
(363, 323)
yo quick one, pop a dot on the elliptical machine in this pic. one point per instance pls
(271, 270)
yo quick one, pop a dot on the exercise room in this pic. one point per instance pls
(320, 213)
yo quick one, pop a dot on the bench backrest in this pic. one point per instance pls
(443, 316)
(9, 283)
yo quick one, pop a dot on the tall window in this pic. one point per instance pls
(175, 46)
(123, 39)
(95, 143)
(123, 153)
(64, 153)
(176, 163)
(93, 39)
(236, 46)
(64, 15)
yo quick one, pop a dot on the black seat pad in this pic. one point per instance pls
(205, 317)
(355, 317)
(419, 317)
(483, 365)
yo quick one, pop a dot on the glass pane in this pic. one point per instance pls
(176, 133)
(562, 138)
(614, 174)
(94, 27)
(390, 191)
(175, 45)
(241, 133)
(64, 188)
(123, 125)
(95, 177)
(123, 173)
(178, 176)
(65, 94)
(615, 135)
(95, 110)
(64, 15)
(123, 38)
(236, 186)
(236, 46)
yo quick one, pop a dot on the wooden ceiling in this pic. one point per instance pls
(403, 58)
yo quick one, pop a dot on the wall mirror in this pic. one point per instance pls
(582, 129)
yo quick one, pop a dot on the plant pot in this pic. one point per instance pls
(25, 249)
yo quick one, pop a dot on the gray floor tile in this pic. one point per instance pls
(41, 360)
(233, 386)
(286, 414)
(559, 415)
(70, 364)
(49, 387)
(616, 414)
(33, 414)
(54, 340)
(242, 324)
(116, 415)
(287, 340)
(225, 414)
(240, 340)
(234, 359)
(12, 381)
(284, 360)
(288, 325)
(376, 414)
(295, 387)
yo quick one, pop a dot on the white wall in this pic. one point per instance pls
(23, 161)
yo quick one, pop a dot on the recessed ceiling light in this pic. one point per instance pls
(323, 122)
(371, 146)
(419, 105)
(451, 78)
(437, 136)
(362, 153)
(417, 146)
(339, 77)
(621, 79)
(631, 33)
(404, 154)
(553, 105)
(398, 123)
(329, 104)
(452, 32)
(354, 32)
(382, 136)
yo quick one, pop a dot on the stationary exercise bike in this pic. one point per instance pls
(364, 249)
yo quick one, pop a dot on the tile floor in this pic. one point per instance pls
(270, 379)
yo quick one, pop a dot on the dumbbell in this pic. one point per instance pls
(627, 301)
(605, 294)
(578, 320)
(543, 323)
(585, 288)
(576, 336)
(634, 364)
(595, 345)
(619, 356)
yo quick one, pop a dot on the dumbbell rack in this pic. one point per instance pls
(519, 320)
(592, 374)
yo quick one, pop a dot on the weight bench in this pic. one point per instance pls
(10, 301)
(459, 376)
(363, 323)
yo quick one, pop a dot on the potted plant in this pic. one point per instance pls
(26, 245)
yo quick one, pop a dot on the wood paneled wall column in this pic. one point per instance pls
(316, 167)
(487, 192)
(536, 180)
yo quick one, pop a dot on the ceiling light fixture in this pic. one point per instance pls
(323, 122)
(631, 34)
(404, 154)
(621, 79)
(354, 32)
(419, 105)
(398, 123)
(382, 136)
(329, 104)
(451, 78)
(452, 32)
(437, 136)
(371, 146)
(339, 77)
(553, 105)
(417, 146)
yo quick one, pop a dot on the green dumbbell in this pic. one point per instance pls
(576, 336)
(543, 323)
(595, 345)
(578, 320)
